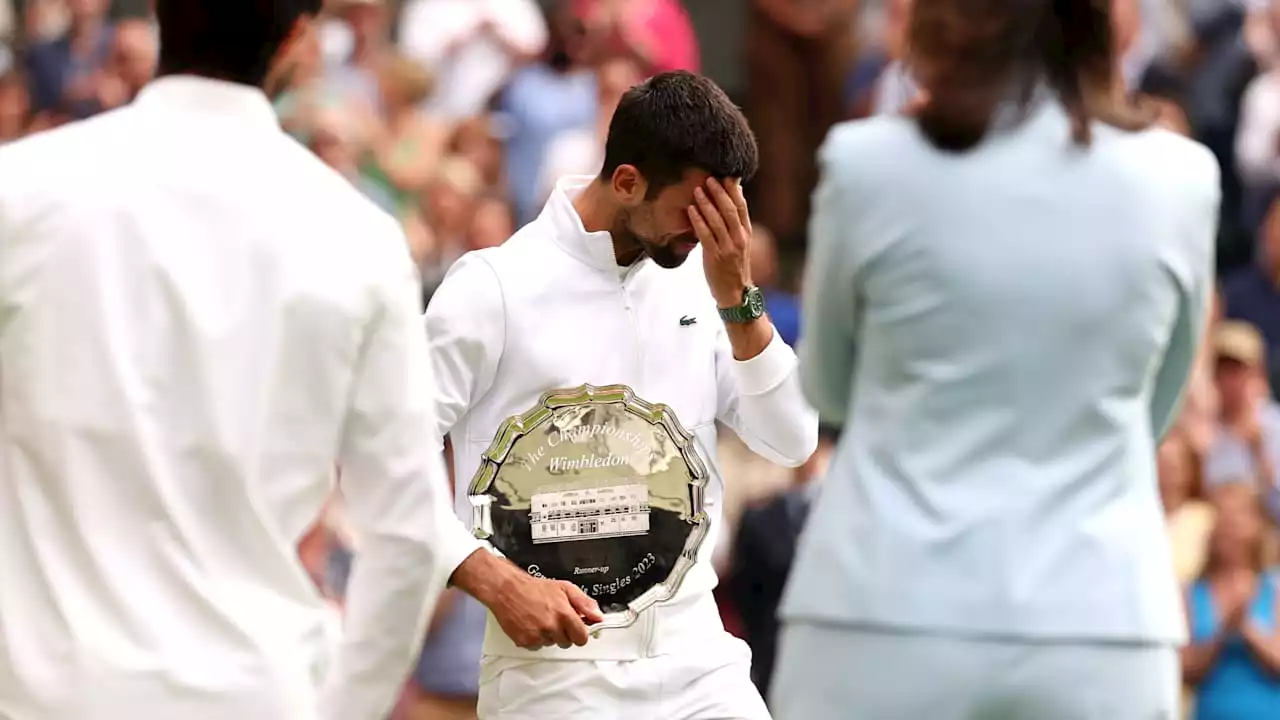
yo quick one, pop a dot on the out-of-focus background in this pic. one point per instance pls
(456, 116)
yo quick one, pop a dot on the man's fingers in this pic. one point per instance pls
(572, 629)
(533, 640)
(587, 609)
(703, 231)
(711, 215)
(740, 202)
(727, 210)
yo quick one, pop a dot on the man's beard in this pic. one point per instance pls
(664, 256)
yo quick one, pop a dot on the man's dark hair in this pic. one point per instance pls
(675, 122)
(233, 40)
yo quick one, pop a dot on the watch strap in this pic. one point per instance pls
(752, 307)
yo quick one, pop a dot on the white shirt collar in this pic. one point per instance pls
(209, 97)
(593, 248)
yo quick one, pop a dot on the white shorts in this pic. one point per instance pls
(712, 683)
(828, 672)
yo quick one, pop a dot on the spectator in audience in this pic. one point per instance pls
(132, 62)
(784, 305)
(655, 34)
(1246, 447)
(1258, 133)
(449, 205)
(366, 24)
(473, 46)
(893, 90)
(1233, 658)
(63, 74)
(580, 150)
(477, 141)
(1188, 519)
(798, 54)
(6, 22)
(1259, 33)
(334, 138)
(45, 20)
(543, 99)
(1253, 292)
(491, 223)
(15, 106)
(404, 146)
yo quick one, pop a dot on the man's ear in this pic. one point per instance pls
(629, 186)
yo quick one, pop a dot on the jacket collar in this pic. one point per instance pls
(593, 248)
(208, 97)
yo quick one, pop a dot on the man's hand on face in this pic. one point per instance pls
(723, 225)
(534, 612)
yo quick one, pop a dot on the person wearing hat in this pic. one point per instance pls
(1246, 447)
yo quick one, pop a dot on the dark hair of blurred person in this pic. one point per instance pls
(667, 134)
(233, 40)
(972, 59)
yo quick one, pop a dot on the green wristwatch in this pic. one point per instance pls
(751, 308)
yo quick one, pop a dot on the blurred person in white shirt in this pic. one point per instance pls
(473, 46)
(1257, 142)
(199, 320)
(353, 39)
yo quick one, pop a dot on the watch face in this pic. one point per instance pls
(755, 302)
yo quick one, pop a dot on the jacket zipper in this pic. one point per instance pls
(649, 619)
(637, 344)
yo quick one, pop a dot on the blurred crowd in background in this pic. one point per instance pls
(456, 116)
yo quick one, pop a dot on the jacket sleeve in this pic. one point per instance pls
(465, 329)
(761, 400)
(397, 496)
(830, 308)
(1191, 267)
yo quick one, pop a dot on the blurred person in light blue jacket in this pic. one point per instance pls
(1004, 296)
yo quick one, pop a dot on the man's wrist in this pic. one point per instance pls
(484, 576)
(750, 338)
(729, 300)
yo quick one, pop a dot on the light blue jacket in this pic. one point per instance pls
(1003, 335)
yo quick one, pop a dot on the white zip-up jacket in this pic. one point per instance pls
(551, 308)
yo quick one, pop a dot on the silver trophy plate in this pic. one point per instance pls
(598, 487)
